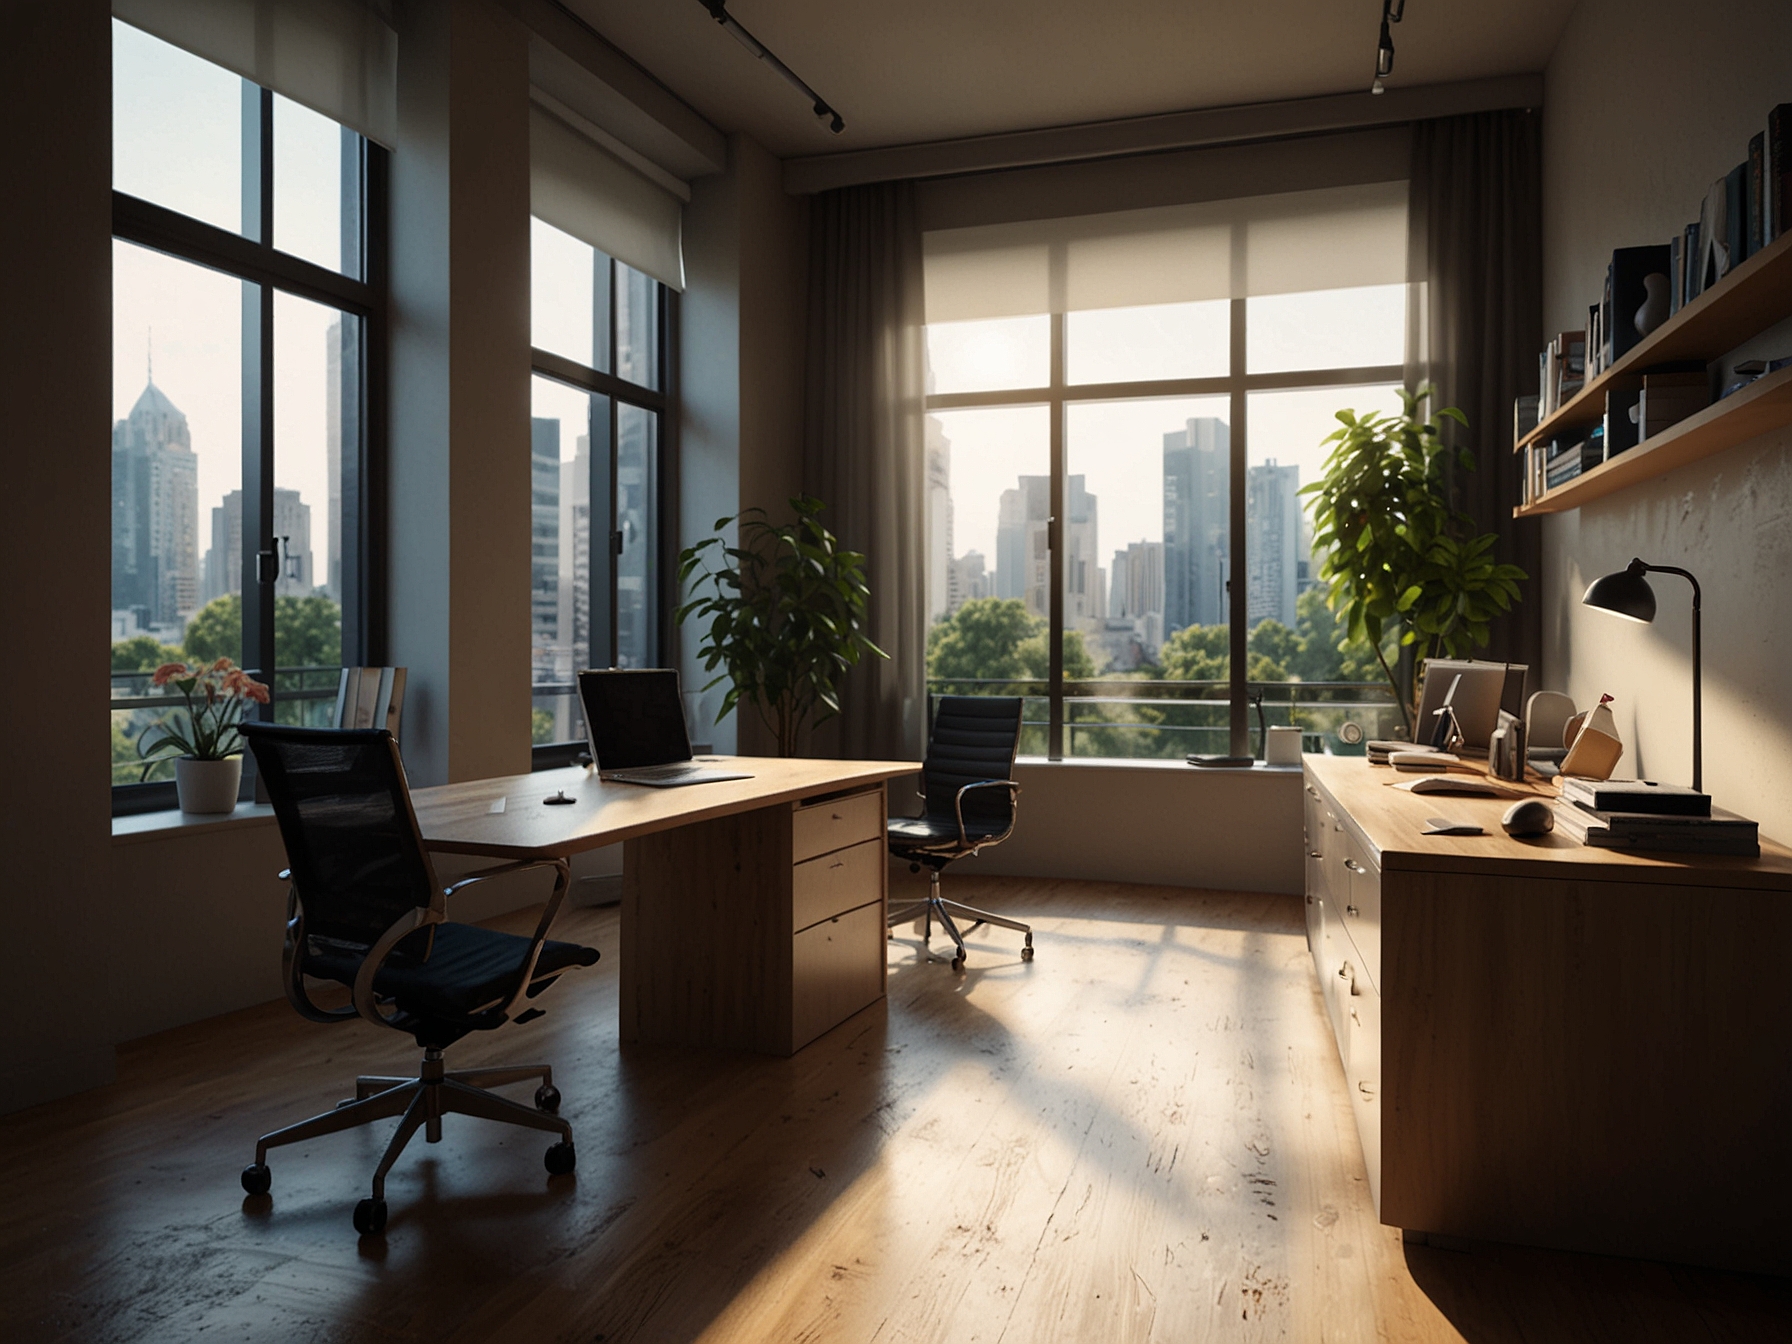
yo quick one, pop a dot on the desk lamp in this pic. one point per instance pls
(1627, 593)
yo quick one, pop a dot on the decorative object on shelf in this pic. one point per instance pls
(1594, 747)
(1397, 554)
(1655, 307)
(1627, 593)
(786, 616)
(207, 749)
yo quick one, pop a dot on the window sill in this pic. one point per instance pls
(161, 825)
(1152, 763)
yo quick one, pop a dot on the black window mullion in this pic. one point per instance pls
(1237, 600)
(1054, 538)
(666, 497)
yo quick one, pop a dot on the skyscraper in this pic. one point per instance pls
(333, 404)
(292, 537)
(1196, 527)
(1023, 550)
(942, 599)
(155, 514)
(544, 544)
(1138, 583)
(1273, 535)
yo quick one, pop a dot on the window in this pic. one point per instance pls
(247, 302)
(601, 331)
(1109, 398)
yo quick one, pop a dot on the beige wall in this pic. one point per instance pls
(1647, 103)
(55, 525)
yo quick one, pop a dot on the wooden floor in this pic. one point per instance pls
(1141, 1135)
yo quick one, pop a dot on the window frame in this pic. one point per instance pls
(1237, 385)
(252, 258)
(661, 402)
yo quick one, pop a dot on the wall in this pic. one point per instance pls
(1648, 103)
(55, 521)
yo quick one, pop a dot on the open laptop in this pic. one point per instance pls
(634, 721)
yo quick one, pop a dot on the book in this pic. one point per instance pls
(1757, 191)
(1676, 273)
(1736, 214)
(1636, 796)
(1524, 417)
(1723, 833)
(1714, 232)
(1778, 171)
(1689, 264)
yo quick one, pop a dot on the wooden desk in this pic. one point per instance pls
(752, 910)
(1550, 1044)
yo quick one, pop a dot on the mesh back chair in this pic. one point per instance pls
(970, 799)
(365, 910)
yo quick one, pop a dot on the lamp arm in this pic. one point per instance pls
(1698, 773)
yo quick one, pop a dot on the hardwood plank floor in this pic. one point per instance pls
(1141, 1135)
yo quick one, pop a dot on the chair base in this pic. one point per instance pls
(936, 906)
(422, 1102)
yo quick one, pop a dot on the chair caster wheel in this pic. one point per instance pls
(1026, 953)
(370, 1217)
(560, 1159)
(547, 1098)
(958, 963)
(257, 1178)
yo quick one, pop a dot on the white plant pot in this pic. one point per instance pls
(207, 786)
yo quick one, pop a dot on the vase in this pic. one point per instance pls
(1655, 307)
(207, 786)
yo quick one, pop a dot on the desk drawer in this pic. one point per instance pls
(1362, 905)
(821, 828)
(837, 968)
(837, 882)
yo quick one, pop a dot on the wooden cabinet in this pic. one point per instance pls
(760, 930)
(1554, 1045)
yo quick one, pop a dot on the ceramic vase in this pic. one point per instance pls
(207, 786)
(1655, 307)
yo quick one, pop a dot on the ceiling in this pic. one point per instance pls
(910, 71)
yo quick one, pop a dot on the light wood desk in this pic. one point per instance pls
(1551, 1044)
(752, 910)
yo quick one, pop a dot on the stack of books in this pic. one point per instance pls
(1638, 814)
(1565, 461)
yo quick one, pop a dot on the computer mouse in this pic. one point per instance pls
(1529, 816)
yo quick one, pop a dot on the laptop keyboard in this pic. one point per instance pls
(657, 771)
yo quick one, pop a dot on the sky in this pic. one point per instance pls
(177, 141)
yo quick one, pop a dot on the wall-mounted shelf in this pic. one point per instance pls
(1751, 298)
(1764, 404)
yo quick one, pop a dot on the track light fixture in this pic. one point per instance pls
(819, 105)
(1392, 11)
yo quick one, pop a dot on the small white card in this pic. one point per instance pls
(497, 806)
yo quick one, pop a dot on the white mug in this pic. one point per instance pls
(1282, 746)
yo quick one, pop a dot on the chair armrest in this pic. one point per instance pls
(486, 874)
(562, 884)
(964, 838)
(292, 974)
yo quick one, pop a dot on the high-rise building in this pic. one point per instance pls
(544, 545)
(1137, 587)
(1196, 523)
(155, 514)
(333, 404)
(970, 580)
(573, 618)
(292, 539)
(1023, 550)
(942, 598)
(1273, 536)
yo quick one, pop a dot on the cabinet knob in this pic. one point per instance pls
(1351, 910)
(1314, 854)
(1352, 865)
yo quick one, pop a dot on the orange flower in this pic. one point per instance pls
(221, 665)
(167, 672)
(256, 691)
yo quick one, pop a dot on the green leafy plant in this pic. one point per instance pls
(1398, 556)
(785, 613)
(216, 694)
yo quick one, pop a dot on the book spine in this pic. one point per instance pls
(1676, 274)
(1777, 171)
(1695, 260)
(1757, 191)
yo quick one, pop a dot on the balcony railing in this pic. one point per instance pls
(1126, 719)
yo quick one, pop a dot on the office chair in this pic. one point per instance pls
(365, 910)
(970, 805)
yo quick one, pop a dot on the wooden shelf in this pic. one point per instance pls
(1763, 405)
(1747, 301)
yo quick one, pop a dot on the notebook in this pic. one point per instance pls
(634, 721)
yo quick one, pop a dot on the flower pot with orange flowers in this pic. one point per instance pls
(207, 746)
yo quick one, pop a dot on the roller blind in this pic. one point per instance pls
(582, 189)
(337, 57)
(1332, 238)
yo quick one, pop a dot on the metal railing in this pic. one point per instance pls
(1119, 718)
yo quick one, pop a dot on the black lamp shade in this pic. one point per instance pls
(1626, 593)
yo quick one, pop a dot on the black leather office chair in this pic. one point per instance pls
(365, 909)
(971, 801)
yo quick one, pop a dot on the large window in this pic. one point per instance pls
(247, 299)
(1115, 524)
(602, 337)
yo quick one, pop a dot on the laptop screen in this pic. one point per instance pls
(634, 717)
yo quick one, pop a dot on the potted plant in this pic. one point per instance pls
(1399, 558)
(786, 616)
(208, 748)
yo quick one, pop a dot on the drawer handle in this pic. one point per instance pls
(1352, 865)
(1312, 790)
(837, 863)
(834, 816)
(1314, 854)
(1351, 910)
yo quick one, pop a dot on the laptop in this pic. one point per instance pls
(634, 722)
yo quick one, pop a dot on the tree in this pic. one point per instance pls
(307, 631)
(1035, 655)
(982, 639)
(216, 630)
(1323, 652)
(1196, 653)
(143, 653)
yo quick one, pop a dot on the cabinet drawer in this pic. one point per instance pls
(1361, 899)
(835, 823)
(1363, 1075)
(837, 968)
(837, 882)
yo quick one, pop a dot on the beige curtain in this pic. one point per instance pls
(1477, 248)
(862, 446)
